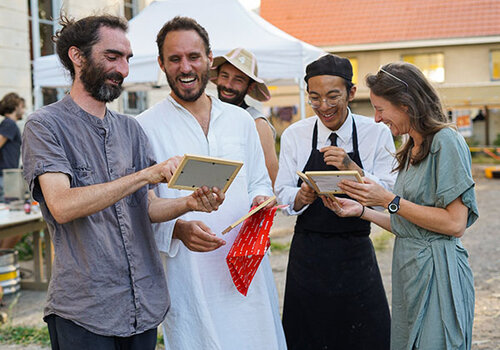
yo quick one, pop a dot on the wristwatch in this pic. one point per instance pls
(394, 205)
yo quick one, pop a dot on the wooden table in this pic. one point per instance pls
(18, 223)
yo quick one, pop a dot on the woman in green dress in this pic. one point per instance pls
(432, 204)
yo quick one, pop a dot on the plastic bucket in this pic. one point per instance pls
(10, 277)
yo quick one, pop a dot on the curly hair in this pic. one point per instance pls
(404, 85)
(9, 103)
(181, 23)
(82, 34)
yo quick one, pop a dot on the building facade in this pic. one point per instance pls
(24, 37)
(456, 43)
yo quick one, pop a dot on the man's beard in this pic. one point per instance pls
(236, 100)
(94, 79)
(189, 96)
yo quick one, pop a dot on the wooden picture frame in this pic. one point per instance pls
(325, 182)
(196, 171)
(247, 215)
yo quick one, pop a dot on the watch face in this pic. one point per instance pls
(393, 207)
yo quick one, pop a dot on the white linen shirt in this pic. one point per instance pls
(375, 146)
(207, 311)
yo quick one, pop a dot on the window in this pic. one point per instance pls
(495, 64)
(42, 22)
(130, 8)
(354, 63)
(49, 95)
(432, 65)
(134, 102)
(48, 12)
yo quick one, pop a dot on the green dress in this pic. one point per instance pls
(432, 283)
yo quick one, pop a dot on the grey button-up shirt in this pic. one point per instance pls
(107, 275)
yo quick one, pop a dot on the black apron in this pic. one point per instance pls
(334, 296)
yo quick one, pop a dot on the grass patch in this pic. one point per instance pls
(480, 158)
(25, 247)
(21, 335)
(381, 240)
(160, 344)
(24, 335)
(275, 246)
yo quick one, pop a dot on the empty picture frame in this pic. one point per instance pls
(196, 171)
(326, 182)
(247, 215)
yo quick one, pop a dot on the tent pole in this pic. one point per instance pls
(37, 92)
(302, 99)
(35, 30)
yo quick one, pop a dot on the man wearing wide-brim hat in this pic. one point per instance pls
(235, 75)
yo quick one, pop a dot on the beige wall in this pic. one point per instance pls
(467, 71)
(15, 72)
(467, 82)
(79, 8)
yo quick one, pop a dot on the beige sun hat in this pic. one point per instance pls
(246, 62)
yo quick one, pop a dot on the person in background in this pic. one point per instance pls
(207, 310)
(11, 110)
(236, 75)
(334, 296)
(93, 171)
(432, 204)
(12, 107)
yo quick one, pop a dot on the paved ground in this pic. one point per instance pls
(482, 241)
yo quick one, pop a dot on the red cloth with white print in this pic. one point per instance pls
(249, 248)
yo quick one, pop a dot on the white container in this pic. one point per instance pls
(10, 276)
(4, 211)
(14, 186)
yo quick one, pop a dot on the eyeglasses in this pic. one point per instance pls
(395, 77)
(315, 102)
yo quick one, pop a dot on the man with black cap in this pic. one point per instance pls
(235, 75)
(334, 297)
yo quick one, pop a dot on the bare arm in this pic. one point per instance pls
(268, 146)
(450, 221)
(3, 140)
(67, 204)
(165, 209)
(378, 218)
(348, 208)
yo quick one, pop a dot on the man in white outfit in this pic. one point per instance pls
(207, 311)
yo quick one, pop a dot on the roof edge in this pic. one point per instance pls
(412, 44)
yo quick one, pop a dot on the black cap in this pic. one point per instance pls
(329, 65)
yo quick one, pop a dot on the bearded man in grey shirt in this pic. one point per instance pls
(92, 170)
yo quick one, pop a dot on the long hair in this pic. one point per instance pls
(404, 85)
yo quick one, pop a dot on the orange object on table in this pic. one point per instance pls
(249, 248)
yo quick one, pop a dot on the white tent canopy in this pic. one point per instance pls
(281, 57)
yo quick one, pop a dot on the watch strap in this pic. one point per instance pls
(394, 205)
